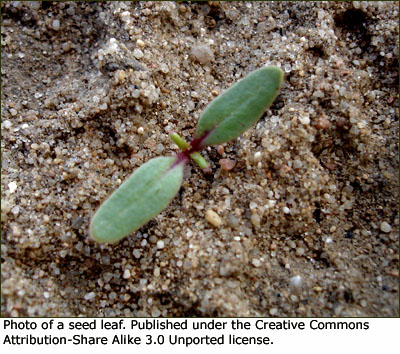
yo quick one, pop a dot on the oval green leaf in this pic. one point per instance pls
(141, 197)
(239, 107)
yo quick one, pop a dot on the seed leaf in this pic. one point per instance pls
(239, 107)
(141, 197)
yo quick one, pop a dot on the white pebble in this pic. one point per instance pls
(12, 186)
(7, 124)
(213, 218)
(15, 210)
(164, 68)
(160, 244)
(137, 53)
(136, 253)
(296, 281)
(140, 43)
(385, 227)
(257, 156)
(140, 130)
(304, 120)
(273, 311)
(286, 210)
(253, 205)
(297, 164)
(127, 274)
(256, 262)
(89, 296)
(56, 25)
(16, 231)
(270, 204)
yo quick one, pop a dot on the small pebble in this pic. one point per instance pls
(160, 244)
(155, 312)
(7, 124)
(227, 164)
(256, 262)
(385, 227)
(297, 164)
(253, 205)
(136, 253)
(165, 69)
(323, 123)
(12, 186)
(56, 25)
(156, 271)
(90, 296)
(273, 311)
(137, 53)
(15, 210)
(140, 130)
(77, 223)
(121, 75)
(213, 218)
(202, 53)
(16, 231)
(305, 120)
(328, 240)
(257, 156)
(127, 274)
(233, 221)
(255, 220)
(140, 43)
(296, 282)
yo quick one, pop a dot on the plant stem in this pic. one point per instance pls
(200, 161)
(189, 151)
(178, 140)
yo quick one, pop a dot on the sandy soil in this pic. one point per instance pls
(309, 213)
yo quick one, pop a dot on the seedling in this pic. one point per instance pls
(151, 187)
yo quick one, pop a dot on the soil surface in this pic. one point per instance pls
(305, 203)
